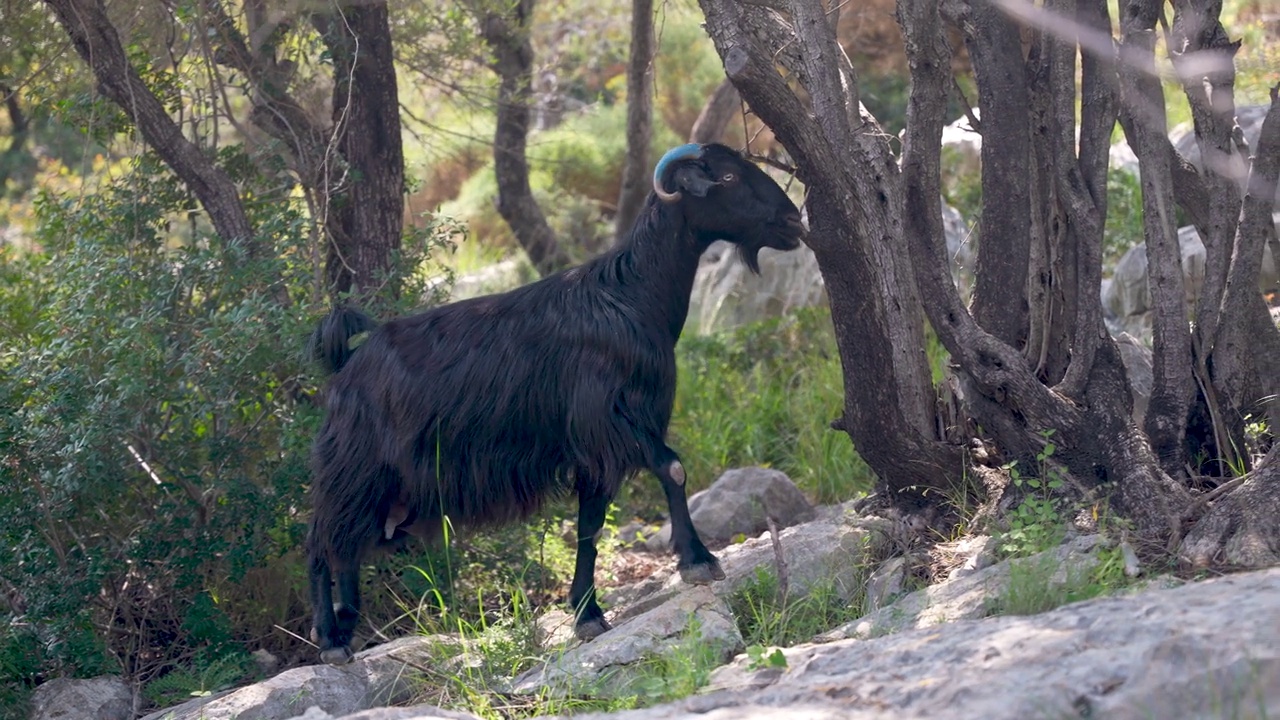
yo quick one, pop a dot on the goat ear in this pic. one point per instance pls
(693, 180)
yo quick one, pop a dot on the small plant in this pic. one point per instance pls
(678, 673)
(766, 618)
(206, 674)
(759, 658)
(1035, 524)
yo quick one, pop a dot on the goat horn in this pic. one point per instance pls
(683, 152)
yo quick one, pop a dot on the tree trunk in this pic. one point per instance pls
(98, 44)
(999, 296)
(1140, 90)
(507, 35)
(723, 105)
(13, 155)
(366, 217)
(854, 191)
(635, 174)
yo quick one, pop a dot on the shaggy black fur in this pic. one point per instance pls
(482, 409)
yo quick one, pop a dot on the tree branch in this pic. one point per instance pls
(96, 41)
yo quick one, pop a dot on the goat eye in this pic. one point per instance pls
(728, 178)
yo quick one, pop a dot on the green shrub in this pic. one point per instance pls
(764, 394)
(153, 437)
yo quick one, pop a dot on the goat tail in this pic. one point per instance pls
(332, 342)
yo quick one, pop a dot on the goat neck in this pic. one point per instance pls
(656, 263)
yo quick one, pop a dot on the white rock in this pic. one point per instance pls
(100, 698)
(737, 503)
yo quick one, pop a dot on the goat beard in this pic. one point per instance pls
(750, 255)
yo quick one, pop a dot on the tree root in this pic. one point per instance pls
(1242, 527)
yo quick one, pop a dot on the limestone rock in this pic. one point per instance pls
(1128, 295)
(605, 665)
(100, 698)
(1204, 650)
(738, 502)
(965, 598)
(415, 712)
(832, 549)
(382, 675)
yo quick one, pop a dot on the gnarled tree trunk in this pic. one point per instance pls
(1033, 354)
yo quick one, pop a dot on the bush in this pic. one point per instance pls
(155, 423)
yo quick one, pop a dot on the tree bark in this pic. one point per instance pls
(366, 218)
(1140, 89)
(716, 114)
(999, 296)
(635, 174)
(1241, 528)
(19, 126)
(1246, 353)
(854, 219)
(507, 35)
(98, 44)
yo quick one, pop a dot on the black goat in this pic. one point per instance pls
(482, 409)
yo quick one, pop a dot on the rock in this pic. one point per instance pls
(100, 698)
(965, 598)
(738, 502)
(886, 582)
(727, 295)
(554, 628)
(498, 277)
(833, 549)
(635, 533)
(1138, 367)
(607, 665)
(1181, 653)
(974, 552)
(382, 675)
(1128, 296)
(1248, 117)
(414, 712)
(266, 662)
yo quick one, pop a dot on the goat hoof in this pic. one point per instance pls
(336, 655)
(591, 629)
(702, 573)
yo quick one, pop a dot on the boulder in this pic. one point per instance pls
(100, 698)
(738, 502)
(1248, 117)
(835, 548)
(414, 712)
(382, 675)
(1127, 295)
(727, 295)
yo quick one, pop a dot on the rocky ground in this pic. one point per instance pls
(962, 647)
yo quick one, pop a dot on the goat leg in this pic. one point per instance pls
(326, 629)
(697, 565)
(592, 503)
